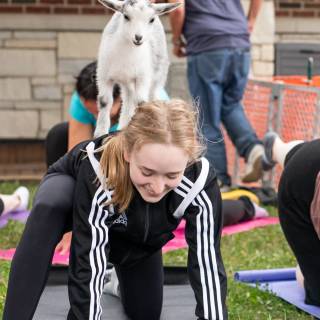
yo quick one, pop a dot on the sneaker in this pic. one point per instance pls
(268, 141)
(260, 212)
(253, 169)
(112, 286)
(23, 194)
(223, 186)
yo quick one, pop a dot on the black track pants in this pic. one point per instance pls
(1, 206)
(141, 288)
(296, 190)
(50, 217)
(236, 211)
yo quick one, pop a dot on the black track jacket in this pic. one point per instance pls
(100, 233)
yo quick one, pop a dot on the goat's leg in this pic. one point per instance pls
(128, 104)
(155, 92)
(143, 86)
(159, 80)
(105, 102)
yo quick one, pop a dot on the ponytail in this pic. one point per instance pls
(116, 170)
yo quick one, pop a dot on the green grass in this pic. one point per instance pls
(257, 249)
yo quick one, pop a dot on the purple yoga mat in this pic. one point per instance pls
(266, 275)
(3, 222)
(21, 216)
(282, 283)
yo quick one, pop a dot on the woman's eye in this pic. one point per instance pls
(151, 20)
(146, 174)
(126, 17)
(172, 177)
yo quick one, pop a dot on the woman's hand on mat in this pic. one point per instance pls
(64, 245)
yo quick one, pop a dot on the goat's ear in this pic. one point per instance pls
(114, 5)
(162, 8)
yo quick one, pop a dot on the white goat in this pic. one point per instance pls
(133, 54)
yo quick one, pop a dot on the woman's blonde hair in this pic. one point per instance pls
(167, 122)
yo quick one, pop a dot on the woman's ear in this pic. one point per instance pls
(126, 155)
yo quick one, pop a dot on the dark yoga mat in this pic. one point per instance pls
(172, 275)
(179, 303)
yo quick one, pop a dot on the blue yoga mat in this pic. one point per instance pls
(281, 282)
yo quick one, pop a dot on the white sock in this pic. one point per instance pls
(112, 286)
(280, 150)
(11, 202)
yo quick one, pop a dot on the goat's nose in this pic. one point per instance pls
(138, 37)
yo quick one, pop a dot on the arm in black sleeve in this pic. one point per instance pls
(205, 266)
(89, 247)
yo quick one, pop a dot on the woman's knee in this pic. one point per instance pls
(56, 191)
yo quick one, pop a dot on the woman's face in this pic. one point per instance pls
(91, 106)
(155, 169)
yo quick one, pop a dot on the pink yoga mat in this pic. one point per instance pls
(178, 242)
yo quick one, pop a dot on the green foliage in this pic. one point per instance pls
(261, 248)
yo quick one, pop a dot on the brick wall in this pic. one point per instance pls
(297, 8)
(52, 7)
(284, 8)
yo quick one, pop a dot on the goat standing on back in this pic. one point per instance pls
(133, 54)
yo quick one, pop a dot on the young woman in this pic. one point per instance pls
(132, 190)
(299, 205)
(82, 121)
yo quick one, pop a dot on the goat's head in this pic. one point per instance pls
(138, 17)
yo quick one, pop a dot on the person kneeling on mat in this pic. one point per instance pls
(299, 205)
(132, 190)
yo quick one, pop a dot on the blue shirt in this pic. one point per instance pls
(215, 24)
(79, 112)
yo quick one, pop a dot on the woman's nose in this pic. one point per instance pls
(158, 186)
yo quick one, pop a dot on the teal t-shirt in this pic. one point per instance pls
(79, 112)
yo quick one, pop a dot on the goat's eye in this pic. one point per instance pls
(126, 17)
(151, 20)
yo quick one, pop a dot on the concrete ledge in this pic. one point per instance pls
(297, 25)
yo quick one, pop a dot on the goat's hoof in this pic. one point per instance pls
(141, 102)
(99, 133)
